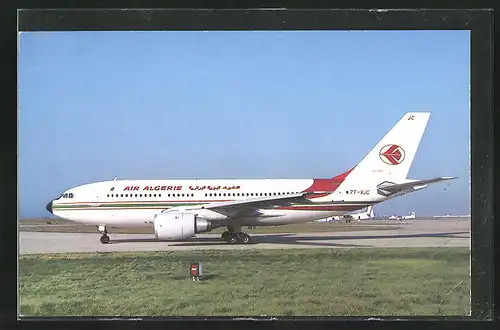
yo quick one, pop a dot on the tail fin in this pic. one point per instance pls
(369, 211)
(391, 158)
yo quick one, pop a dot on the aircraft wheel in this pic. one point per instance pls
(233, 239)
(104, 239)
(245, 238)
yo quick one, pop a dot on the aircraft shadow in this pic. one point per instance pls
(303, 239)
(215, 241)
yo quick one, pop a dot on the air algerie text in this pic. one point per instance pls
(137, 188)
(149, 188)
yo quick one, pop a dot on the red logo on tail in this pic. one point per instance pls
(392, 154)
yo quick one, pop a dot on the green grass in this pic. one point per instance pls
(409, 281)
(63, 226)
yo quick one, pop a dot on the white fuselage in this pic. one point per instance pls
(134, 203)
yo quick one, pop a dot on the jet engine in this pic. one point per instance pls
(179, 225)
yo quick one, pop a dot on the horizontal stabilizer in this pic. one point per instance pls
(388, 188)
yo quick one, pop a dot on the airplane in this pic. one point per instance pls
(408, 217)
(325, 220)
(364, 215)
(405, 217)
(180, 209)
(358, 215)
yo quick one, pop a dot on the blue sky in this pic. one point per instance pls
(160, 105)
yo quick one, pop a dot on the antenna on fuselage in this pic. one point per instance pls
(114, 179)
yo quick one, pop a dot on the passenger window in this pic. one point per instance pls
(159, 195)
(178, 195)
(238, 194)
(150, 195)
(154, 195)
(192, 195)
(135, 195)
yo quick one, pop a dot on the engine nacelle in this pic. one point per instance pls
(179, 225)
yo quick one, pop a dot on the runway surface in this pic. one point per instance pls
(453, 232)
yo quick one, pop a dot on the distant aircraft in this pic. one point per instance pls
(408, 217)
(364, 215)
(325, 220)
(405, 217)
(359, 215)
(179, 209)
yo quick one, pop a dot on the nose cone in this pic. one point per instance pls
(49, 207)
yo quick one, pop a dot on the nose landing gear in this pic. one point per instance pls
(104, 238)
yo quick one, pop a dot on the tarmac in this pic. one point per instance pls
(449, 232)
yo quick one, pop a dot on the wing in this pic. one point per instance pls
(391, 188)
(251, 206)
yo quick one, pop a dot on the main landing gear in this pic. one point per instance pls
(104, 237)
(233, 237)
